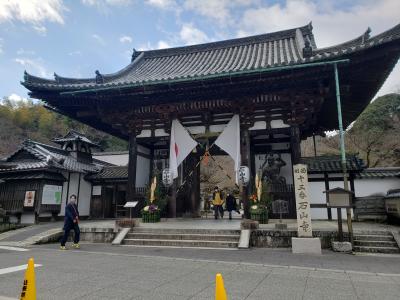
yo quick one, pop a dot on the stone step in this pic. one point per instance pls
(376, 249)
(373, 237)
(375, 243)
(185, 231)
(181, 243)
(372, 232)
(183, 236)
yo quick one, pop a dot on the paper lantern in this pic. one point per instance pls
(244, 175)
(167, 177)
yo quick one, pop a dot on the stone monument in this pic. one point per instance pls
(305, 242)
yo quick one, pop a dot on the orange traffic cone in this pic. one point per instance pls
(29, 288)
(220, 293)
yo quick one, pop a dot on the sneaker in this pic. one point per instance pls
(76, 246)
(63, 248)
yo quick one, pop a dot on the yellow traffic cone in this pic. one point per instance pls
(220, 293)
(29, 288)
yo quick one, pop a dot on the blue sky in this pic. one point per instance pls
(76, 37)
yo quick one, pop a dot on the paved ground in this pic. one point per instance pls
(99, 271)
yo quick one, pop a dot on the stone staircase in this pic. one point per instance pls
(375, 242)
(187, 238)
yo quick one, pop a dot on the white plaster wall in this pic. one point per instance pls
(85, 190)
(317, 196)
(73, 185)
(115, 159)
(367, 187)
(315, 190)
(28, 218)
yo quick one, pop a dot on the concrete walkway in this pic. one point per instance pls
(105, 273)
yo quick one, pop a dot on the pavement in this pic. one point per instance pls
(100, 271)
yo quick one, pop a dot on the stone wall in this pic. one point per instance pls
(283, 238)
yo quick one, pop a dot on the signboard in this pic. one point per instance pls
(29, 200)
(304, 228)
(96, 190)
(131, 204)
(52, 194)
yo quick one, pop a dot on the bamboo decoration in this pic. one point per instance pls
(258, 184)
(152, 189)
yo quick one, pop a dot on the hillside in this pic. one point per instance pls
(28, 120)
(374, 136)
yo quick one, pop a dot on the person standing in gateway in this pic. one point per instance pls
(218, 201)
(71, 221)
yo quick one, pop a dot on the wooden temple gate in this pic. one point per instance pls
(280, 84)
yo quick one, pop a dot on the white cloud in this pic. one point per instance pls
(148, 46)
(17, 98)
(40, 29)
(219, 10)
(32, 11)
(163, 44)
(191, 35)
(103, 4)
(332, 24)
(35, 65)
(75, 53)
(125, 39)
(22, 51)
(164, 4)
(99, 39)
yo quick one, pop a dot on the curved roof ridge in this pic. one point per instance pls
(305, 30)
(394, 31)
(350, 43)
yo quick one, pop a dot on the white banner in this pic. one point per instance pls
(304, 228)
(181, 144)
(229, 141)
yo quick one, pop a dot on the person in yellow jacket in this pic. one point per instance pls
(218, 201)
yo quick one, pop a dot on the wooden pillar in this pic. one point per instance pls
(295, 143)
(131, 185)
(329, 210)
(353, 190)
(195, 186)
(151, 164)
(295, 156)
(245, 153)
(172, 201)
(315, 145)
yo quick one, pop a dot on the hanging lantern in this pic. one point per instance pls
(167, 177)
(244, 175)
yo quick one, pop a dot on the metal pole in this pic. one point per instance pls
(343, 151)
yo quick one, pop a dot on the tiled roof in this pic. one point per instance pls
(32, 175)
(110, 173)
(224, 58)
(332, 164)
(47, 156)
(371, 173)
(73, 135)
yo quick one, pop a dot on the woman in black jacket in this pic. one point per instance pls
(230, 204)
